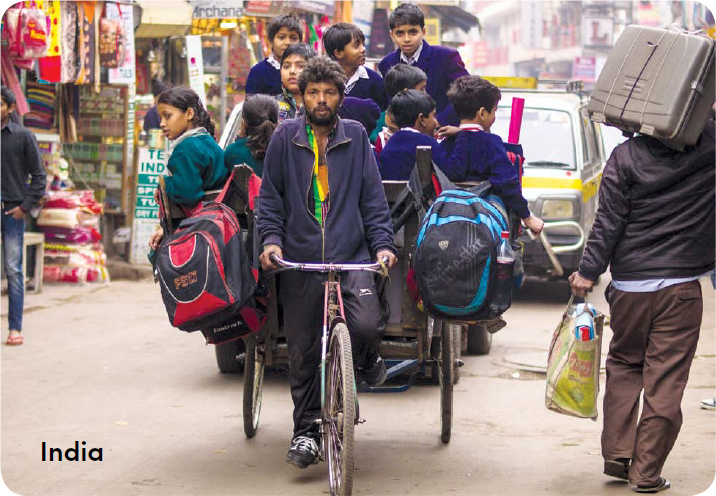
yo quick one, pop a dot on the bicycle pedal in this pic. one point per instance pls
(459, 362)
(318, 421)
(360, 421)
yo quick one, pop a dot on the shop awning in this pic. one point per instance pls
(164, 19)
(452, 16)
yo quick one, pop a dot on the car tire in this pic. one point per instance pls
(479, 341)
(227, 356)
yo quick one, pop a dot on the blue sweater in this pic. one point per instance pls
(398, 157)
(481, 156)
(263, 78)
(442, 65)
(372, 88)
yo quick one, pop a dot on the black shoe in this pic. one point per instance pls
(303, 452)
(374, 372)
(618, 468)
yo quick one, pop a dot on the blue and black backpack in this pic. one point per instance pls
(455, 254)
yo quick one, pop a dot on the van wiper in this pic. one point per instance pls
(547, 163)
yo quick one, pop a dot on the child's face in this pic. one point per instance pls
(352, 55)
(427, 125)
(291, 68)
(408, 37)
(421, 86)
(5, 110)
(283, 39)
(174, 121)
(486, 118)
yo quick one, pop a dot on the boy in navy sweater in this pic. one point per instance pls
(265, 77)
(414, 114)
(399, 78)
(478, 155)
(345, 43)
(441, 64)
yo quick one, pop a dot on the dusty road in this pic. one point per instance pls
(105, 368)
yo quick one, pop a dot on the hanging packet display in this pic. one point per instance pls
(28, 32)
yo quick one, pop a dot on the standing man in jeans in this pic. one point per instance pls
(322, 200)
(20, 159)
(655, 227)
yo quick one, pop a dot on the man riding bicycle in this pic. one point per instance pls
(322, 200)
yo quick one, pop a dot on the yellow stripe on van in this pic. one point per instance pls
(551, 183)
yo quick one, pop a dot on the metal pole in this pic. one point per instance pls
(224, 79)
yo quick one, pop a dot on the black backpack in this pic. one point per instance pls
(455, 255)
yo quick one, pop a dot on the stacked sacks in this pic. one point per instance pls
(73, 251)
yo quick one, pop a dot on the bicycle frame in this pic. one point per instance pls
(332, 300)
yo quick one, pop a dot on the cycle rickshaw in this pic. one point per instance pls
(413, 342)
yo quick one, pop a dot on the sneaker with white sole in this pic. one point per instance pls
(709, 404)
(374, 371)
(303, 452)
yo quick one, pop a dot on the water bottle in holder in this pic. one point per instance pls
(502, 296)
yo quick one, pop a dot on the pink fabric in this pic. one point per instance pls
(10, 78)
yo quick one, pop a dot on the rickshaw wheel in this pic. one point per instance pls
(446, 374)
(254, 366)
(339, 412)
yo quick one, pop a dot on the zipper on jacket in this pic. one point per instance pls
(313, 215)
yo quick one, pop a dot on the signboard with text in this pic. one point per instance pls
(152, 163)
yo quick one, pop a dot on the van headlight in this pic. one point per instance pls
(558, 209)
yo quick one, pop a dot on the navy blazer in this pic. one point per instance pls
(263, 78)
(441, 64)
(372, 88)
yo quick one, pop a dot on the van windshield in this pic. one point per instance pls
(546, 137)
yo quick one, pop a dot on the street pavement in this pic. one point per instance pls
(101, 364)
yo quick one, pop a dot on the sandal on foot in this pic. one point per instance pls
(14, 340)
(661, 486)
(618, 468)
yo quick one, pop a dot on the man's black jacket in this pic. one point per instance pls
(656, 212)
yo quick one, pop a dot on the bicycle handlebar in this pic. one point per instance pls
(379, 267)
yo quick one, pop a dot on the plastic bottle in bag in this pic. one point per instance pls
(502, 297)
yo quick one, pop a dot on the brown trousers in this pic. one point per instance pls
(655, 336)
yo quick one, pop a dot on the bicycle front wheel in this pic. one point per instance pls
(339, 412)
(253, 387)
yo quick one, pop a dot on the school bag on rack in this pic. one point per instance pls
(206, 278)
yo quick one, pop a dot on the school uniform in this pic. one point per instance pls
(238, 153)
(366, 83)
(477, 155)
(197, 165)
(265, 77)
(441, 64)
(397, 158)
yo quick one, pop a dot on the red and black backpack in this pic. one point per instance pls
(206, 278)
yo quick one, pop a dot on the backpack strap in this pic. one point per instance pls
(410, 200)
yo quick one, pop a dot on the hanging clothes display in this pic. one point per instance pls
(51, 66)
(87, 46)
(41, 98)
(69, 41)
(9, 79)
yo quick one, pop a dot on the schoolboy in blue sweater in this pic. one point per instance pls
(479, 155)
(399, 78)
(442, 65)
(265, 77)
(414, 114)
(345, 43)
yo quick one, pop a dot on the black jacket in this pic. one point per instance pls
(20, 160)
(358, 221)
(656, 212)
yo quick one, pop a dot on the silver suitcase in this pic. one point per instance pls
(658, 82)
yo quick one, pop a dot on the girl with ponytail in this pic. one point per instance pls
(196, 162)
(259, 118)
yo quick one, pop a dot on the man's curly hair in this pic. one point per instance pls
(322, 70)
